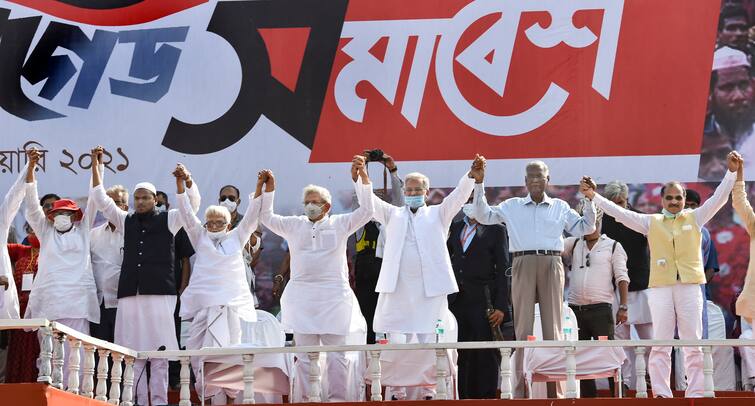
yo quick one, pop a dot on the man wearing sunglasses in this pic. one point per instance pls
(676, 271)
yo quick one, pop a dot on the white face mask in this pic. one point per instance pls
(312, 211)
(62, 222)
(161, 209)
(468, 210)
(231, 206)
(216, 236)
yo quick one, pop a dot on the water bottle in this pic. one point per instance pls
(439, 330)
(567, 327)
(383, 338)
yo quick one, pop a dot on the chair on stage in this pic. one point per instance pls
(271, 371)
(549, 364)
(416, 369)
(724, 368)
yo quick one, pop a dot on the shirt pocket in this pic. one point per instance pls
(552, 228)
(327, 239)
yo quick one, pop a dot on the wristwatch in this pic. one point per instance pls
(278, 278)
(623, 307)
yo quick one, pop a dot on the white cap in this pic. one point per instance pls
(146, 186)
(726, 57)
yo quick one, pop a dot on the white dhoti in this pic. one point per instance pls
(218, 327)
(640, 318)
(145, 323)
(407, 309)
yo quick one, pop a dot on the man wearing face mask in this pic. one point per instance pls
(480, 257)
(535, 225)
(416, 276)
(676, 271)
(318, 303)
(217, 299)
(147, 283)
(64, 289)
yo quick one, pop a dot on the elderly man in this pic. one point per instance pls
(731, 101)
(106, 247)
(318, 303)
(416, 276)
(638, 266)
(535, 225)
(146, 285)
(676, 271)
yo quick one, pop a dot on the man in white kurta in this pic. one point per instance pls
(8, 208)
(318, 304)
(63, 289)
(146, 299)
(217, 297)
(416, 276)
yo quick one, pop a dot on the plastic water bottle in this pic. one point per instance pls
(382, 338)
(439, 330)
(567, 327)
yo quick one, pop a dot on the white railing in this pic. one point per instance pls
(54, 334)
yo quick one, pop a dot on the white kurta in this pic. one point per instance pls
(64, 287)
(416, 275)
(218, 277)
(9, 303)
(318, 298)
(106, 247)
(407, 309)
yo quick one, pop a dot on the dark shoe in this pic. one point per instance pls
(428, 398)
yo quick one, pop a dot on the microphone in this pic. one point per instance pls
(161, 348)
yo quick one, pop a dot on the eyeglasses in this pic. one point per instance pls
(669, 198)
(215, 224)
(586, 263)
(224, 198)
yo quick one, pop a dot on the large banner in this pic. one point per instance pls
(611, 88)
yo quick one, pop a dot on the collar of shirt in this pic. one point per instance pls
(546, 199)
(325, 218)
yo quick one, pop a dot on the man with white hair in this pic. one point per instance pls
(535, 225)
(318, 303)
(146, 285)
(106, 248)
(416, 275)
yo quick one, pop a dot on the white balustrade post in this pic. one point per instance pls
(128, 383)
(441, 374)
(506, 373)
(185, 397)
(115, 379)
(45, 356)
(376, 374)
(74, 365)
(708, 387)
(639, 362)
(87, 382)
(102, 369)
(248, 378)
(315, 383)
(571, 373)
(58, 355)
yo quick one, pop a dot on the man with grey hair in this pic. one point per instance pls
(416, 275)
(535, 225)
(638, 266)
(318, 304)
(106, 249)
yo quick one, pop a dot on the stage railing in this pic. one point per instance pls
(54, 334)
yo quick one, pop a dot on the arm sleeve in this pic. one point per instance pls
(107, 206)
(452, 203)
(501, 266)
(12, 202)
(742, 207)
(636, 221)
(397, 190)
(619, 264)
(382, 210)
(35, 216)
(248, 224)
(710, 207)
(483, 213)
(359, 217)
(191, 223)
(278, 224)
(577, 225)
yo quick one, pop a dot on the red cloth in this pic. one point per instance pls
(23, 349)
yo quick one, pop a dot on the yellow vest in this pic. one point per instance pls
(675, 252)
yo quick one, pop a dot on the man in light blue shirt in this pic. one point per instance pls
(535, 225)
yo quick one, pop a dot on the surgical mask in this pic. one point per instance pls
(415, 202)
(312, 211)
(468, 210)
(216, 236)
(62, 222)
(161, 208)
(228, 204)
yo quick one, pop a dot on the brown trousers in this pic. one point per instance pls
(536, 279)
